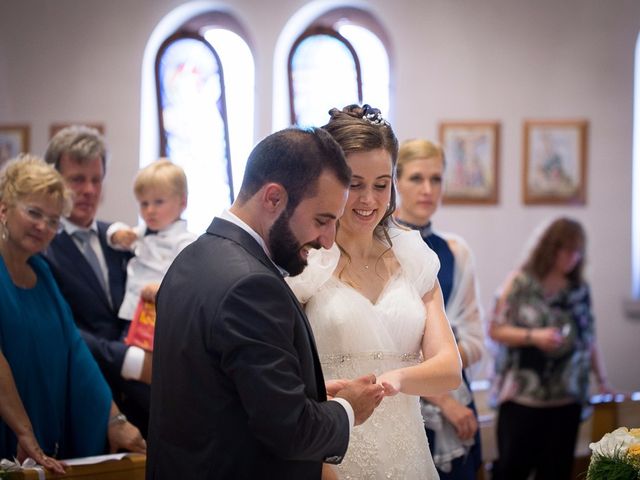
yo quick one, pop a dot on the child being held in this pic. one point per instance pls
(161, 191)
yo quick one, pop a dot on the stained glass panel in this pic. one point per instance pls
(374, 65)
(192, 112)
(324, 75)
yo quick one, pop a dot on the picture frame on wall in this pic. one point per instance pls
(472, 157)
(14, 139)
(554, 162)
(56, 127)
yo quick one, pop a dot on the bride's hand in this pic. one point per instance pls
(391, 383)
(334, 386)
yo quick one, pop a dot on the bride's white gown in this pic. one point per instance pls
(355, 337)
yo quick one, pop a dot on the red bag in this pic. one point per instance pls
(142, 326)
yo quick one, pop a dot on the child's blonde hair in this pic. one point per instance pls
(161, 174)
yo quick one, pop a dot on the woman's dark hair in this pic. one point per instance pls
(562, 233)
(362, 129)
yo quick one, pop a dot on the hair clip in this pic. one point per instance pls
(373, 115)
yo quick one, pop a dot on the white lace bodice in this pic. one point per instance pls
(356, 337)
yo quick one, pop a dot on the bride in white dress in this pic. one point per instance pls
(375, 305)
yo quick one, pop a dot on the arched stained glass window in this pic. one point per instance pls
(341, 58)
(324, 71)
(374, 64)
(193, 121)
(205, 93)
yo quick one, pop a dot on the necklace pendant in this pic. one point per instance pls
(366, 267)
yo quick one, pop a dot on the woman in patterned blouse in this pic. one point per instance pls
(544, 327)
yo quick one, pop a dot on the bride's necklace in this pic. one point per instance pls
(361, 264)
(367, 268)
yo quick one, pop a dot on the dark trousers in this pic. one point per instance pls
(540, 440)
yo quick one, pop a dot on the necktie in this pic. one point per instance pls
(85, 241)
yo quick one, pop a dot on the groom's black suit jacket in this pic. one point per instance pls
(237, 388)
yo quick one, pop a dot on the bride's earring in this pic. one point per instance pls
(5, 232)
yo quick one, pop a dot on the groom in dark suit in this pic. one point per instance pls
(237, 389)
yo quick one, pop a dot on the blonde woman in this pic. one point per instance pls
(63, 392)
(450, 419)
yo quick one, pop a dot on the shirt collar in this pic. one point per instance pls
(230, 217)
(70, 227)
(179, 224)
(425, 230)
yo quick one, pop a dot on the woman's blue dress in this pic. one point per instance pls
(63, 391)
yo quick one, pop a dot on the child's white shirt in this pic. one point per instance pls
(154, 254)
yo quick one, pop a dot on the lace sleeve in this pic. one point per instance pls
(322, 264)
(416, 258)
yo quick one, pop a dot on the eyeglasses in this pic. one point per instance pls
(37, 216)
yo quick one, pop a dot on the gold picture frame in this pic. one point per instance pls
(554, 168)
(14, 139)
(472, 168)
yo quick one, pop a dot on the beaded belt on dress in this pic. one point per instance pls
(337, 358)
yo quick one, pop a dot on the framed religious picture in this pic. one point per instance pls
(56, 127)
(14, 139)
(471, 152)
(554, 162)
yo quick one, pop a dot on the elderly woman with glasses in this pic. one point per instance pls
(56, 378)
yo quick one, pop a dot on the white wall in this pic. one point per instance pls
(506, 60)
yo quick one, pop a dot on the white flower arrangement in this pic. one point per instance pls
(616, 456)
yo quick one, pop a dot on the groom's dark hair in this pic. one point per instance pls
(294, 158)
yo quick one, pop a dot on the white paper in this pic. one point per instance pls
(72, 462)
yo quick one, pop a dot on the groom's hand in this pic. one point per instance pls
(364, 395)
(334, 386)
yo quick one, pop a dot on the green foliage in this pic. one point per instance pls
(619, 466)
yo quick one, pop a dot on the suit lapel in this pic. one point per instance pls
(228, 230)
(322, 393)
(232, 232)
(74, 259)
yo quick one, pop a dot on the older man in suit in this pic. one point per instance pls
(237, 387)
(91, 275)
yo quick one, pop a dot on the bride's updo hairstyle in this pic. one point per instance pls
(362, 129)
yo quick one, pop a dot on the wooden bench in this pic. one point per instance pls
(131, 467)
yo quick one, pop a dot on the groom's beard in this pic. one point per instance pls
(285, 248)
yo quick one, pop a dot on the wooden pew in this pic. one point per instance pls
(131, 467)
